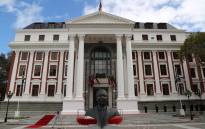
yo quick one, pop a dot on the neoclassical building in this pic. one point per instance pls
(136, 63)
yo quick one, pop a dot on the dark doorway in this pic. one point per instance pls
(95, 89)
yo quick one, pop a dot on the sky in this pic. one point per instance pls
(188, 15)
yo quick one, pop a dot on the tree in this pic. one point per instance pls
(4, 67)
(195, 45)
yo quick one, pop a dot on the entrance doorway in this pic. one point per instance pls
(95, 90)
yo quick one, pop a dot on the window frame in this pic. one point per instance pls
(56, 36)
(173, 38)
(159, 37)
(163, 54)
(23, 74)
(41, 36)
(166, 68)
(167, 87)
(34, 70)
(23, 52)
(49, 72)
(195, 72)
(54, 89)
(145, 70)
(145, 37)
(32, 91)
(173, 55)
(57, 56)
(149, 55)
(37, 54)
(153, 92)
(181, 69)
(27, 38)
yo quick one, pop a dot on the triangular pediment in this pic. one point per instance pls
(100, 18)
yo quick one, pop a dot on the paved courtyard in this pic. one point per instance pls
(139, 121)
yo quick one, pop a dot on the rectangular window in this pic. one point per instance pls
(203, 70)
(39, 55)
(163, 70)
(162, 26)
(165, 89)
(19, 90)
(150, 91)
(181, 89)
(54, 55)
(134, 70)
(148, 25)
(37, 70)
(159, 37)
(64, 90)
(51, 90)
(41, 37)
(22, 70)
(133, 56)
(35, 90)
(136, 90)
(55, 37)
(53, 70)
(175, 55)
(173, 37)
(27, 37)
(66, 70)
(161, 55)
(147, 56)
(193, 73)
(144, 37)
(148, 70)
(177, 69)
(66, 55)
(194, 88)
(24, 55)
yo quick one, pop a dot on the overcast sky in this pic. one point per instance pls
(14, 14)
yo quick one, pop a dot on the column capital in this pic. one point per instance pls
(71, 36)
(118, 36)
(81, 36)
(128, 36)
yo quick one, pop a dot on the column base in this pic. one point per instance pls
(127, 105)
(73, 106)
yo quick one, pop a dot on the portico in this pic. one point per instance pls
(107, 34)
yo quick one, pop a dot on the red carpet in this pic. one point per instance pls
(42, 122)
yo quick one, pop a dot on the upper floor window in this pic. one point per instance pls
(181, 89)
(161, 55)
(27, 37)
(55, 37)
(134, 70)
(54, 55)
(133, 55)
(159, 37)
(41, 37)
(136, 90)
(39, 55)
(163, 69)
(148, 70)
(37, 70)
(147, 56)
(162, 26)
(173, 37)
(175, 55)
(148, 25)
(24, 55)
(22, 70)
(53, 70)
(203, 70)
(144, 37)
(177, 69)
(193, 73)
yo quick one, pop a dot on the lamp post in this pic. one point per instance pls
(177, 80)
(17, 112)
(9, 95)
(188, 93)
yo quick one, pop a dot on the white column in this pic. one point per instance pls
(171, 72)
(141, 77)
(70, 70)
(44, 74)
(29, 73)
(120, 75)
(130, 76)
(14, 70)
(186, 75)
(60, 73)
(156, 73)
(80, 68)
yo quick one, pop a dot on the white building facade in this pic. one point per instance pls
(136, 63)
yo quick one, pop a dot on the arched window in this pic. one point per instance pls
(100, 62)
